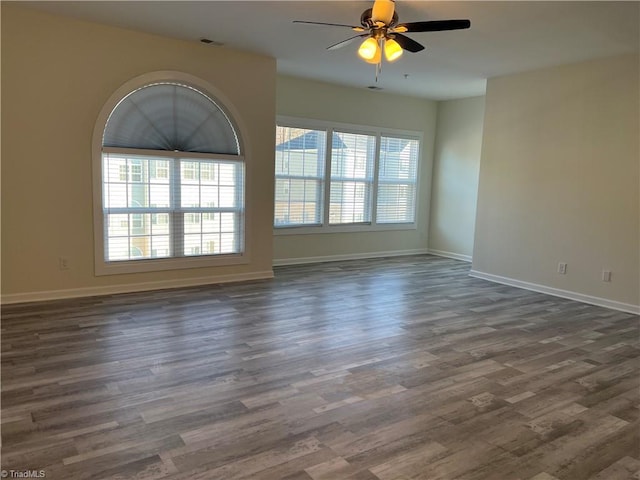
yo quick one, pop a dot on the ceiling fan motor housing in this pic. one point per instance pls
(367, 19)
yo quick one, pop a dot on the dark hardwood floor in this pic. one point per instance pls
(391, 369)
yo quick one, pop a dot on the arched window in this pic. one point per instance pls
(171, 180)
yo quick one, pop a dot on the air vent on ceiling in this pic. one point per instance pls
(213, 43)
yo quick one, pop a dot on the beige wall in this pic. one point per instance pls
(559, 179)
(57, 74)
(322, 101)
(455, 176)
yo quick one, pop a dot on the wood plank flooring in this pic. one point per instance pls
(391, 369)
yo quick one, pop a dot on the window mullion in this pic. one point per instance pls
(374, 186)
(177, 223)
(321, 181)
(327, 175)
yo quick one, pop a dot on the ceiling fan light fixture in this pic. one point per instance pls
(392, 50)
(382, 11)
(377, 58)
(369, 50)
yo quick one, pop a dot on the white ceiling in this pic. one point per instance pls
(505, 37)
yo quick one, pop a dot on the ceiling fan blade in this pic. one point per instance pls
(433, 26)
(353, 27)
(341, 44)
(407, 43)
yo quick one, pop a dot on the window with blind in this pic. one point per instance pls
(368, 175)
(299, 176)
(172, 182)
(397, 179)
(352, 168)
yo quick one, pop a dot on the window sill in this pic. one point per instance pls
(321, 230)
(158, 265)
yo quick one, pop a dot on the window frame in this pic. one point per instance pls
(370, 181)
(104, 267)
(178, 213)
(321, 180)
(378, 132)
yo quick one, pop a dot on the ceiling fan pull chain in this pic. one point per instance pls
(378, 69)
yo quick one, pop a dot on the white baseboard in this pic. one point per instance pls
(280, 262)
(132, 287)
(455, 256)
(580, 297)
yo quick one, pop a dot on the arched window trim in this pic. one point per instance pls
(103, 267)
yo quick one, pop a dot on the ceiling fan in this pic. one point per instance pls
(382, 32)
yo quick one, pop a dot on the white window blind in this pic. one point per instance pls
(300, 159)
(174, 207)
(397, 178)
(352, 166)
(169, 116)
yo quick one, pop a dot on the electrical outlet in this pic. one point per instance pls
(562, 268)
(606, 276)
(63, 263)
